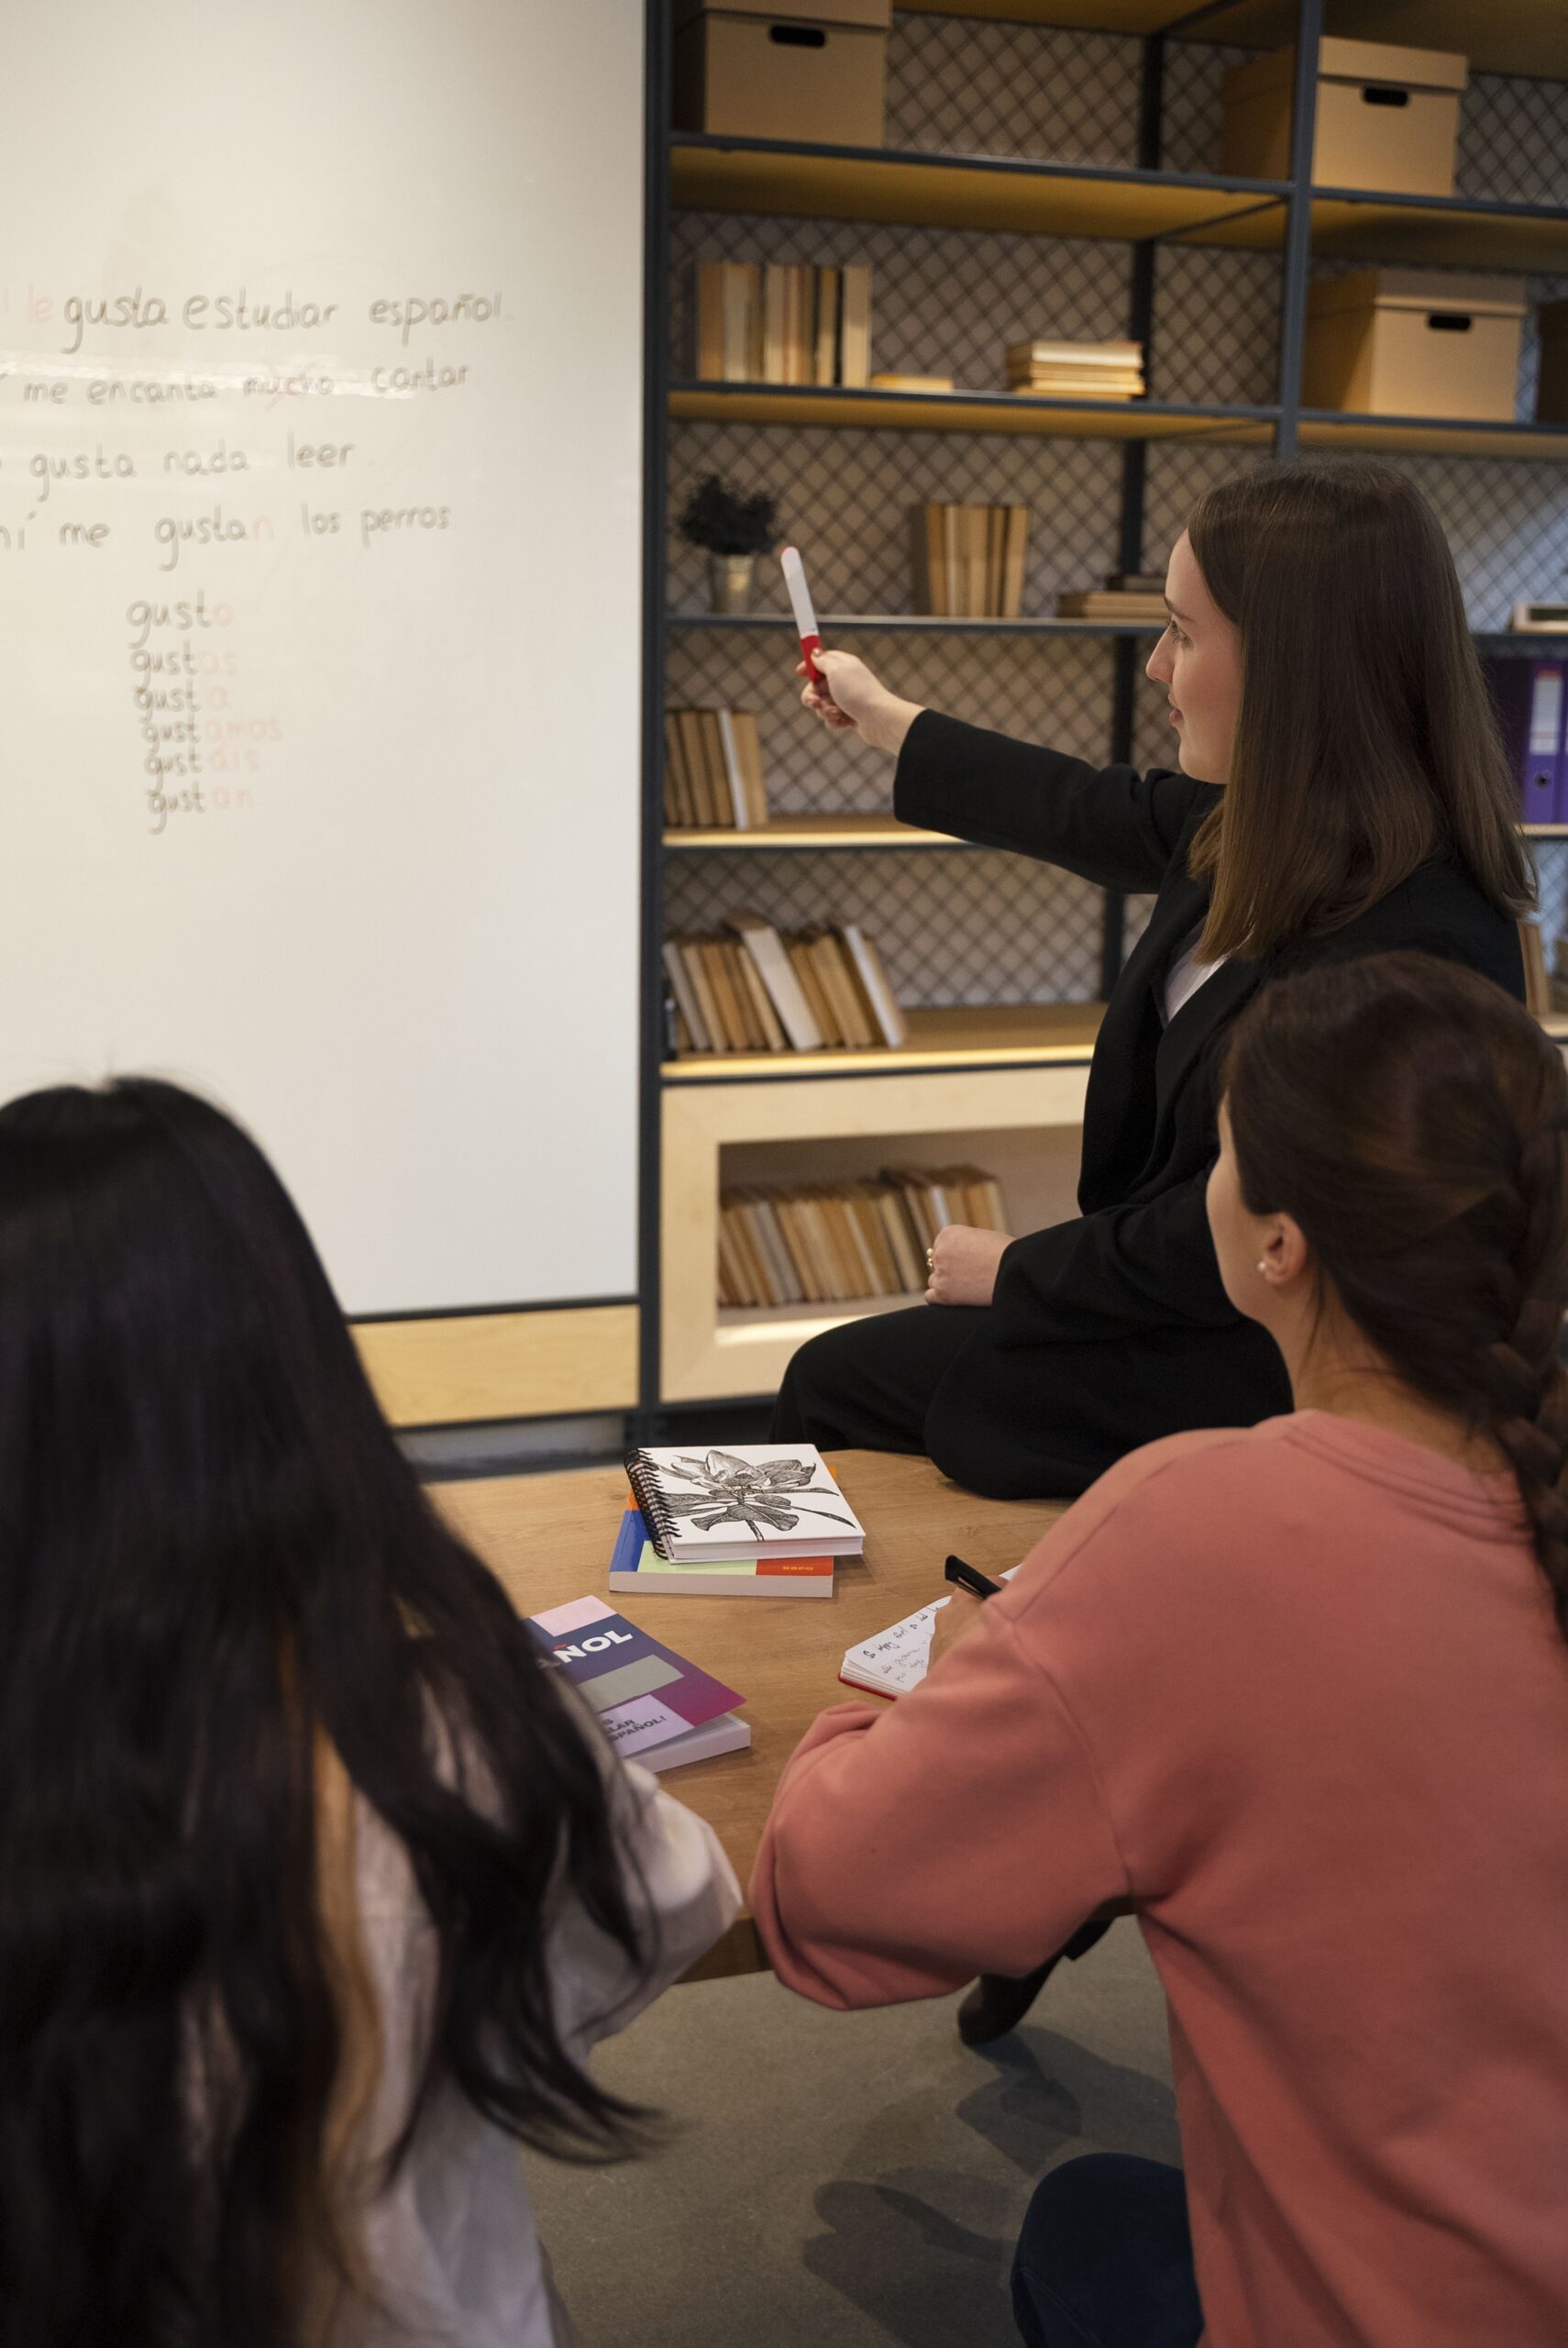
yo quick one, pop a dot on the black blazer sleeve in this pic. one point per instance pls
(1108, 825)
(1116, 1272)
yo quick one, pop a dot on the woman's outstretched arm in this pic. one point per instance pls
(1108, 825)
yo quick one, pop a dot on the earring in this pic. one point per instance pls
(1263, 1266)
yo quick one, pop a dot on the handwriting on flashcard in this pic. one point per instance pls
(901, 1655)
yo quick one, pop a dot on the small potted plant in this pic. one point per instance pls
(733, 528)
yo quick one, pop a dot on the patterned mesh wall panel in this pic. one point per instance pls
(959, 927)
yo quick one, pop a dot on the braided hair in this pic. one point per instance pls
(1413, 1120)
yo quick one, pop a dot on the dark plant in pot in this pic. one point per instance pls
(733, 526)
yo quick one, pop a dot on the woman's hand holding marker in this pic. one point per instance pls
(851, 701)
(840, 690)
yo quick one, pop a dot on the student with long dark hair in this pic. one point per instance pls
(1343, 790)
(315, 1885)
(1297, 1694)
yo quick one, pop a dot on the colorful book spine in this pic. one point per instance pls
(1528, 698)
(635, 1565)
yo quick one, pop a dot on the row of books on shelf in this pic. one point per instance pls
(806, 323)
(752, 987)
(777, 322)
(827, 1243)
(712, 771)
(969, 560)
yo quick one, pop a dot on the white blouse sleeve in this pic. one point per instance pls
(682, 1893)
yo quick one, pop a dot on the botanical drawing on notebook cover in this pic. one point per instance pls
(739, 1492)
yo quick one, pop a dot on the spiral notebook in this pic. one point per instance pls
(757, 1500)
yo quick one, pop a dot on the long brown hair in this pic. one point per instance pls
(1413, 1119)
(1365, 743)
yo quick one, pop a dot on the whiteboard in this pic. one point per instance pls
(320, 527)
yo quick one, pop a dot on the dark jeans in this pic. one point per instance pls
(1105, 2258)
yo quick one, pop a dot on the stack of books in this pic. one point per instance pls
(1076, 370)
(751, 988)
(1126, 595)
(968, 561)
(635, 1565)
(763, 1520)
(827, 1243)
(781, 322)
(713, 771)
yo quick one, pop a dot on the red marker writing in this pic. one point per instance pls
(794, 571)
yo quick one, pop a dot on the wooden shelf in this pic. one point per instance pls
(916, 622)
(1453, 231)
(1045, 199)
(1515, 37)
(1085, 420)
(874, 829)
(1545, 831)
(1022, 197)
(1013, 1035)
(1432, 436)
(880, 1106)
(969, 412)
(1457, 232)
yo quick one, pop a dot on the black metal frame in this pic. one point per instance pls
(655, 444)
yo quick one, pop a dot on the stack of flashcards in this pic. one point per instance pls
(755, 1501)
(637, 1565)
(896, 1661)
(652, 1704)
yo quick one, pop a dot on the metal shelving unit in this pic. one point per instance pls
(1147, 209)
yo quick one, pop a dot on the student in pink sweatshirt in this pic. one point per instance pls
(1298, 1694)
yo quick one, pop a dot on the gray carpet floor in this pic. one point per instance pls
(840, 2180)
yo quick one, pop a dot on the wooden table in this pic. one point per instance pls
(550, 1538)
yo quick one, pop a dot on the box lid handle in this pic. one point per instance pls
(797, 36)
(1449, 321)
(1383, 93)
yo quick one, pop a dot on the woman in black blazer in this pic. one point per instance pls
(1343, 790)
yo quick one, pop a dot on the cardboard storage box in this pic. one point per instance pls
(1552, 390)
(1405, 342)
(759, 72)
(1387, 118)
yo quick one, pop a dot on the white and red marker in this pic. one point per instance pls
(806, 626)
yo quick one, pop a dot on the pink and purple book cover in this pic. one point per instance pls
(642, 1692)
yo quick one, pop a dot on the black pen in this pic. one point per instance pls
(970, 1578)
